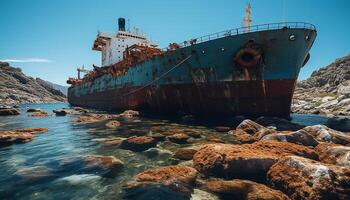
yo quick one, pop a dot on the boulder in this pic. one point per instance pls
(108, 165)
(298, 137)
(179, 138)
(333, 154)
(140, 143)
(9, 111)
(185, 153)
(39, 114)
(302, 178)
(192, 133)
(113, 124)
(243, 189)
(324, 134)
(280, 123)
(113, 140)
(170, 182)
(242, 137)
(248, 160)
(130, 114)
(34, 110)
(19, 135)
(339, 123)
(250, 126)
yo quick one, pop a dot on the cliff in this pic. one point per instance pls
(327, 91)
(17, 88)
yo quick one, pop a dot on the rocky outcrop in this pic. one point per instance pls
(324, 134)
(243, 189)
(302, 178)
(17, 88)
(327, 91)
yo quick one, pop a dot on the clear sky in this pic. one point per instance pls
(49, 39)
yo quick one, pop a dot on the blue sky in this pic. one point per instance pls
(49, 39)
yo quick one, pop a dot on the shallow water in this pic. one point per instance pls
(34, 170)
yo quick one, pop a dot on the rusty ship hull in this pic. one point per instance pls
(205, 79)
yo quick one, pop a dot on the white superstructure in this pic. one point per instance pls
(112, 46)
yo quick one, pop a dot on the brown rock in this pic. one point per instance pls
(39, 114)
(105, 162)
(185, 153)
(243, 189)
(303, 178)
(170, 182)
(19, 135)
(113, 124)
(31, 130)
(242, 137)
(192, 133)
(130, 114)
(333, 154)
(114, 141)
(140, 143)
(250, 126)
(9, 111)
(248, 160)
(179, 138)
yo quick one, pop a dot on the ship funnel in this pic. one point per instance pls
(121, 24)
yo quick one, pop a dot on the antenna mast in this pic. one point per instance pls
(247, 18)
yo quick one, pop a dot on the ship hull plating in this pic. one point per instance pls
(204, 78)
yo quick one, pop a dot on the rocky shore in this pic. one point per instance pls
(268, 158)
(17, 88)
(326, 92)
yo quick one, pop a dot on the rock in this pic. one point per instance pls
(157, 152)
(324, 134)
(179, 138)
(39, 114)
(248, 160)
(242, 137)
(60, 112)
(280, 123)
(193, 133)
(302, 178)
(9, 111)
(249, 126)
(108, 164)
(140, 143)
(243, 189)
(19, 136)
(130, 114)
(113, 124)
(34, 110)
(185, 153)
(333, 154)
(158, 136)
(81, 110)
(298, 137)
(203, 195)
(222, 129)
(114, 141)
(339, 123)
(30, 174)
(92, 118)
(170, 182)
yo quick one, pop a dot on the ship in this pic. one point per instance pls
(250, 71)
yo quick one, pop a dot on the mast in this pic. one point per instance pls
(247, 18)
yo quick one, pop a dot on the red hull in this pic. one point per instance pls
(254, 98)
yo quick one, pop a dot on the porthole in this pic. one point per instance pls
(203, 52)
(292, 37)
(307, 38)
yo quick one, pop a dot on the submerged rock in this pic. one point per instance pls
(9, 111)
(334, 154)
(113, 124)
(303, 178)
(179, 138)
(248, 160)
(110, 164)
(243, 189)
(140, 143)
(36, 173)
(170, 182)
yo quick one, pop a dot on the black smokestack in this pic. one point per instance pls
(121, 24)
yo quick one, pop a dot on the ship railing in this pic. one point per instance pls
(242, 30)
